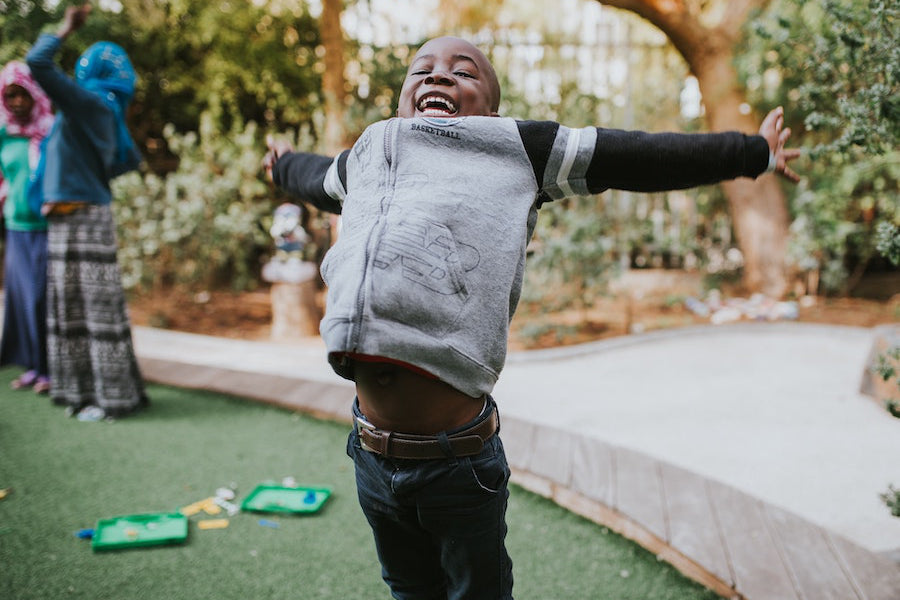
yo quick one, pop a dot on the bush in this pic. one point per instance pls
(892, 499)
(887, 241)
(837, 218)
(202, 225)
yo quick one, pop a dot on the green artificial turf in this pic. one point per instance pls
(64, 475)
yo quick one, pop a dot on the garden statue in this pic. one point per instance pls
(290, 237)
(295, 312)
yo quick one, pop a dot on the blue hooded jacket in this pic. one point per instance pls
(89, 143)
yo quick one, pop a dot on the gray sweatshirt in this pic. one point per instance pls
(436, 214)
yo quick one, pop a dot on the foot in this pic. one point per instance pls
(42, 385)
(25, 380)
(91, 413)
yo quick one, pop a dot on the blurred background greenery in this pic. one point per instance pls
(216, 77)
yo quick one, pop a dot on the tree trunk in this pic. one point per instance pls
(335, 134)
(333, 77)
(758, 208)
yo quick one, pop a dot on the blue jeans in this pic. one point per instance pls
(439, 525)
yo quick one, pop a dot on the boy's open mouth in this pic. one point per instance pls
(432, 105)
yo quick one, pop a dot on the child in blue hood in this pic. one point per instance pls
(93, 368)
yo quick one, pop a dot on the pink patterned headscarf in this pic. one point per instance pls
(17, 73)
(40, 121)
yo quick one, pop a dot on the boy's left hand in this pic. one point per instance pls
(772, 128)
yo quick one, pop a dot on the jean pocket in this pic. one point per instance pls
(489, 469)
(352, 443)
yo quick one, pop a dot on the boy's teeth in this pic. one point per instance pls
(436, 105)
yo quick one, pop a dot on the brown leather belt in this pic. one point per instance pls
(61, 208)
(391, 444)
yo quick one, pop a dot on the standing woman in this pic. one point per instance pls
(25, 119)
(93, 369)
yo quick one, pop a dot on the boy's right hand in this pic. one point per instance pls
(277, 148)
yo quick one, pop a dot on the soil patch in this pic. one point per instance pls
(248, 315)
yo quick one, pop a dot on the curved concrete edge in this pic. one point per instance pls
(321, 400)
(730, 542)
(616, 343)
(734, 544)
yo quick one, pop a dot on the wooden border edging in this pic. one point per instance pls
(621, 524)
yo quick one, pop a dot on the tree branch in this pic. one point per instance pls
(673, 17)
(736, 16)
(681, 20)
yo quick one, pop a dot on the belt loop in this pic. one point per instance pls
(387, 443)
(446, 448)
(496, 416)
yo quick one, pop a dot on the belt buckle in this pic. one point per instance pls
(362, 423)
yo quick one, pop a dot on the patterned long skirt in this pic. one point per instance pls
(89, 347)
(24, 340)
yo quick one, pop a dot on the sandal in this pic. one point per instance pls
(25, 380)
(42, 385)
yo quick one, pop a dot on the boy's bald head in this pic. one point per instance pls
(478, 55)
(447, 77)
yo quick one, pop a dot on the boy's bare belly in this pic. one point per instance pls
(398, 399)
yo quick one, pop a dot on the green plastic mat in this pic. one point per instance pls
(282, 499)
(133, 531)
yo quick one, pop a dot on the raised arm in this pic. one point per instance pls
(74, 19)
(41, 59)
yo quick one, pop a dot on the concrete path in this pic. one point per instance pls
(745, 455)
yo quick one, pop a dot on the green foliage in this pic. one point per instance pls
(887, 241)
(581, 243)
(201, 225)
(835, 66)
(375, 76)
(573, 259)
(886, 368)
(235, 61)
(260, 61)
(892, 499)
(20, 23)
(839, 61)
(837, 215)
(205, 69)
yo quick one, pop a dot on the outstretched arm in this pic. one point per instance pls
(313, 178)
(277, 148)
(772, 128)
(591, 160)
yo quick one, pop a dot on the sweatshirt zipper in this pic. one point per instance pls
(378, 228)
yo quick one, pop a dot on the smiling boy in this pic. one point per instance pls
(437, 208)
